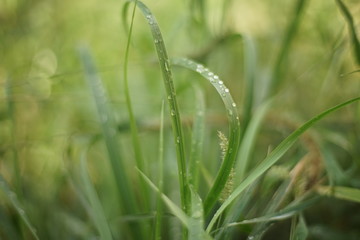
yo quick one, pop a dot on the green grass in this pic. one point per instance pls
(198, 121)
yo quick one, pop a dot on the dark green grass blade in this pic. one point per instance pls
(234, 129)
(97, 211)
(273, 157)
(277, 78)
(346, 193)
(134, 130)
(352, 29)
(4, 186)
(159, 207)
(197, 140)
(171, 98)
(109, 131)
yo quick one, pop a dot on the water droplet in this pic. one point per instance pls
(172, 112)
(167, 66)
(21, 211)
(200, 68)
(223, 94)
(196, 214)
(216, 77)
(211, 74)
(220, 82)
(226, 90)
(169, 97)
(233, 104)
(212, 79)
(177, 139)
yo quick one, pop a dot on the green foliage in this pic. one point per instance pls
(104, 162)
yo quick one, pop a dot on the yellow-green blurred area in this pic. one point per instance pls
(47, 110)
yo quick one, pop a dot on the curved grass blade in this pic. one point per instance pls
(171, 97)
(197, 140)
(134, 130)
(273, 157)
(346, 193)
(234, 129)
(4, 186)
(97, 211)
(352, 28)
(159, 208)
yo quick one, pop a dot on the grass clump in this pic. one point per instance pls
(233, 158)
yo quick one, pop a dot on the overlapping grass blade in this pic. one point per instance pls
(352, 29)
(197, 140)
(4, 186)
(234, 129)
(171, 98)
(248, 140)
(97, 212)
(196, 228)
(109, 132)
(194, 222)
(346, 193)
(273, 157)
(134, 131)
(159, 207)
(276, 77)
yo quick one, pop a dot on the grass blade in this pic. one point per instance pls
(250, 70)
(273, 157)
(109, 133)
(285, 46)
(97, 211)
(159, 208)
(346, 193)
(178, 212)
(234, 129)
(171, 97)
(108, 128)
(4, 186)
(248, 141)
(300, 229)
(134, 130)
(352, 28)
(197, 140)
(194, 223)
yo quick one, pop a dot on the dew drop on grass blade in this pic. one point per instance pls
(172, 102)
(234, 129)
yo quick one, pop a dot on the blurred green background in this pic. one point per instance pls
(47, 112)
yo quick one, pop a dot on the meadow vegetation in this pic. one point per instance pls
(182, 119)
